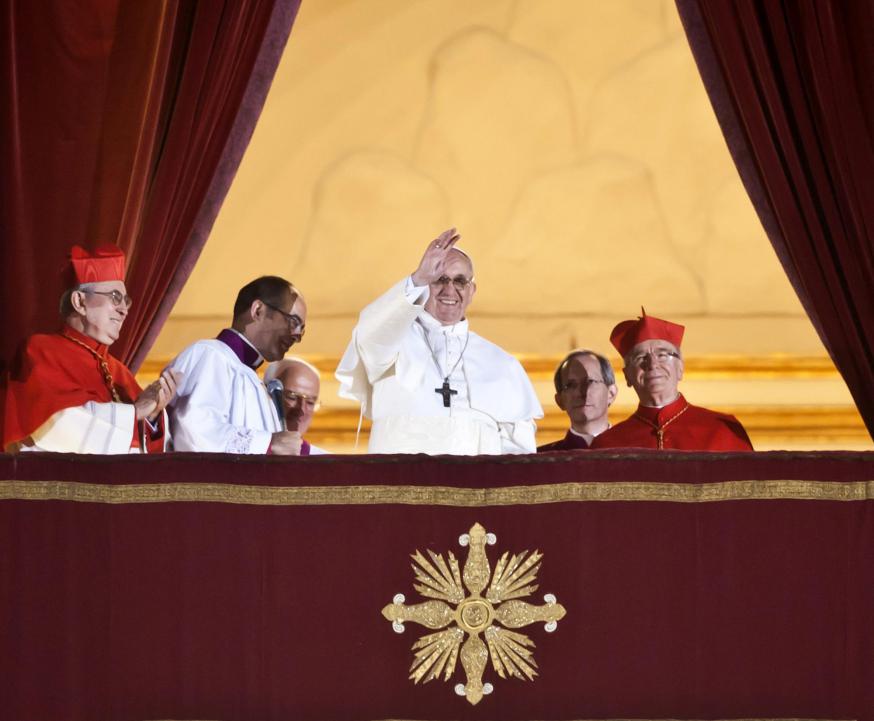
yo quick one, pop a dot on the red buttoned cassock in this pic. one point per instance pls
(56, 379)
(678, 425)
(683, 427)
(54, 372)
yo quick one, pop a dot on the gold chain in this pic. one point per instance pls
(104, 367)
(660, 430)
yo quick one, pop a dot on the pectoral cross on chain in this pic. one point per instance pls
(446, 392)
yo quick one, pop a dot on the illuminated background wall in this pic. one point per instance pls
(572, 144)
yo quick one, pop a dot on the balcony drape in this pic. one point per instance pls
(123, 122)
(696, 585)
(791, 86)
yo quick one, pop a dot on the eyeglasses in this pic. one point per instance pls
(657, 355)
(459, 281)
(310, 402)
(115, 296)
(295, 322)
(576, 385)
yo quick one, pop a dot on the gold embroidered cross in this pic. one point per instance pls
(474, 615)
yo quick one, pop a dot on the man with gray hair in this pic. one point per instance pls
(66, 393)
(664, 419)
(300, 397)
(585, 387)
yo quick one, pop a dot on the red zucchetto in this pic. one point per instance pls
(629, 333)
(103, 264)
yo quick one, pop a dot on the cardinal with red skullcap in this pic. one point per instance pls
(650, 348)
(65, 392)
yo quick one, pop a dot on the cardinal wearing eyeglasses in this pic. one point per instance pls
(222, 406)
(65, 392)
(429, 383)
(650, 349)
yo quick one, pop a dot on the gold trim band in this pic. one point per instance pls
(771, 365)
(435, 495)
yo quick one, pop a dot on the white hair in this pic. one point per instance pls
(277, 367)
(65, 306)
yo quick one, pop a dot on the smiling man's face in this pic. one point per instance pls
(101, 318)
(447, 303)
(272, 331)
(654, 368)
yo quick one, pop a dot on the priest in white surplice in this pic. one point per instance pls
(221, 405)
(430, 384)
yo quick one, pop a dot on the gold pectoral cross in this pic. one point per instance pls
(660, 429)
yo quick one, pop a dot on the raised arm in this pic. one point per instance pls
(384, 323)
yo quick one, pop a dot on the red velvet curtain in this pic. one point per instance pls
(123, 122)
(791, 84)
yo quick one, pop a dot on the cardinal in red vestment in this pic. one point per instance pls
(65, 392)
(650, 348)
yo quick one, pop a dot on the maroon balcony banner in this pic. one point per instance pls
(568, 586)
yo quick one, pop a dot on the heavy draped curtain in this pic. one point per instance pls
(791, 86)
(123, 122)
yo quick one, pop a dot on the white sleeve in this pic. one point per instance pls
(417, 294)
(376, 340)
(518, 437)
(200, 415)
(384, 324)
(89, 428)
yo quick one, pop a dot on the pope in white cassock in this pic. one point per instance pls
(221, 405)
(429, 383)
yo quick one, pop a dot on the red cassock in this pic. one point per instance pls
(53, 372)
(571, 442)
(681, 425)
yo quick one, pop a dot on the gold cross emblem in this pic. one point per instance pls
(474, 615)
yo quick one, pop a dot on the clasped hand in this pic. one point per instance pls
(157, 395)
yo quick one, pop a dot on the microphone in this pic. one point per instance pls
(275, 389)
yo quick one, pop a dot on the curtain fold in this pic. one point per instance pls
(791, 87)
(123, 122)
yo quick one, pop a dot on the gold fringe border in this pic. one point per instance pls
(435, 495)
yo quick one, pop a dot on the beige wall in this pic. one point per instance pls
(570, 141)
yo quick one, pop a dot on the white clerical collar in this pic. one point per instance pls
(587, 436)
(432, 325)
